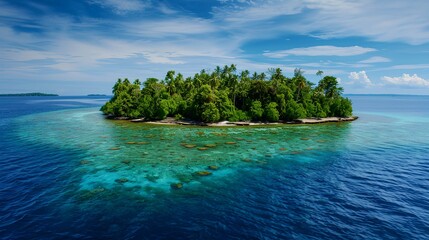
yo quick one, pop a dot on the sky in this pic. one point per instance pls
(79, 47)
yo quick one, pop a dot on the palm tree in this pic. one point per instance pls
(215, 78)
(301, 84)
(329, 87)
(169, 80)
(117, 86)
(298, 72)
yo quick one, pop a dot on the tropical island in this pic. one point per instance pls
(223, 95)
(34, 94)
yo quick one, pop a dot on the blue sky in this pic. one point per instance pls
(83, 46)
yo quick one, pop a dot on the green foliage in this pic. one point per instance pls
(178, 117)
(319, 111)
(225, 105)
(239, 115)
(341, 107)
(271, 112)
(256, 111)
(225, 94)
(294, 110)
(161, 111)
(329, 87)
(210, 113)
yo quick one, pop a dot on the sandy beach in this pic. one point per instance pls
(172, 121)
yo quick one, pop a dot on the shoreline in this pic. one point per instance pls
(173, 122)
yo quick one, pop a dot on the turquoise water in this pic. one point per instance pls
(69, 172)
(149, 158)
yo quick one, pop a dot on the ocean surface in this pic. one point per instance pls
(68, 173)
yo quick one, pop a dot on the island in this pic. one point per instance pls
(223, 97)
(34, 94)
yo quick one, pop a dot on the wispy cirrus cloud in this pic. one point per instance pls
(70, 45)
(233, 11)
(177, 26)
(122, 6)
(335, 18)
(163, 8)
(370, 18)
(147, 38)
(376, 59)
(320, 51)
(408, 66)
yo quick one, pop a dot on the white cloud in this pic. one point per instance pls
(84, 46)
(375, 59)
(165, 9)
(147, 44)
(409, 66)
(162, 28)
(27, 55)
(407, 80)
(122, 6)
(360, 79)
(403, 21)
(399, 20)
(327, 64)
(68, 54)
(320, 51)
(8, 11)
(250, 11)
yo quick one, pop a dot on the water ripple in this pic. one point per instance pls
(365, 180)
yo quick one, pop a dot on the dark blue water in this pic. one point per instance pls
(373, 184)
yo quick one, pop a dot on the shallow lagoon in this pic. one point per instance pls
(148, 158)
(73, 174)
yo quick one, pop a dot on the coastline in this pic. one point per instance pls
(172, 121)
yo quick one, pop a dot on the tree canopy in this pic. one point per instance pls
(224, 94)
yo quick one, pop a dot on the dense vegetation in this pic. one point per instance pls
(28, 94)
(225, 95)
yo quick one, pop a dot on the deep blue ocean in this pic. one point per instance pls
(367, 179)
